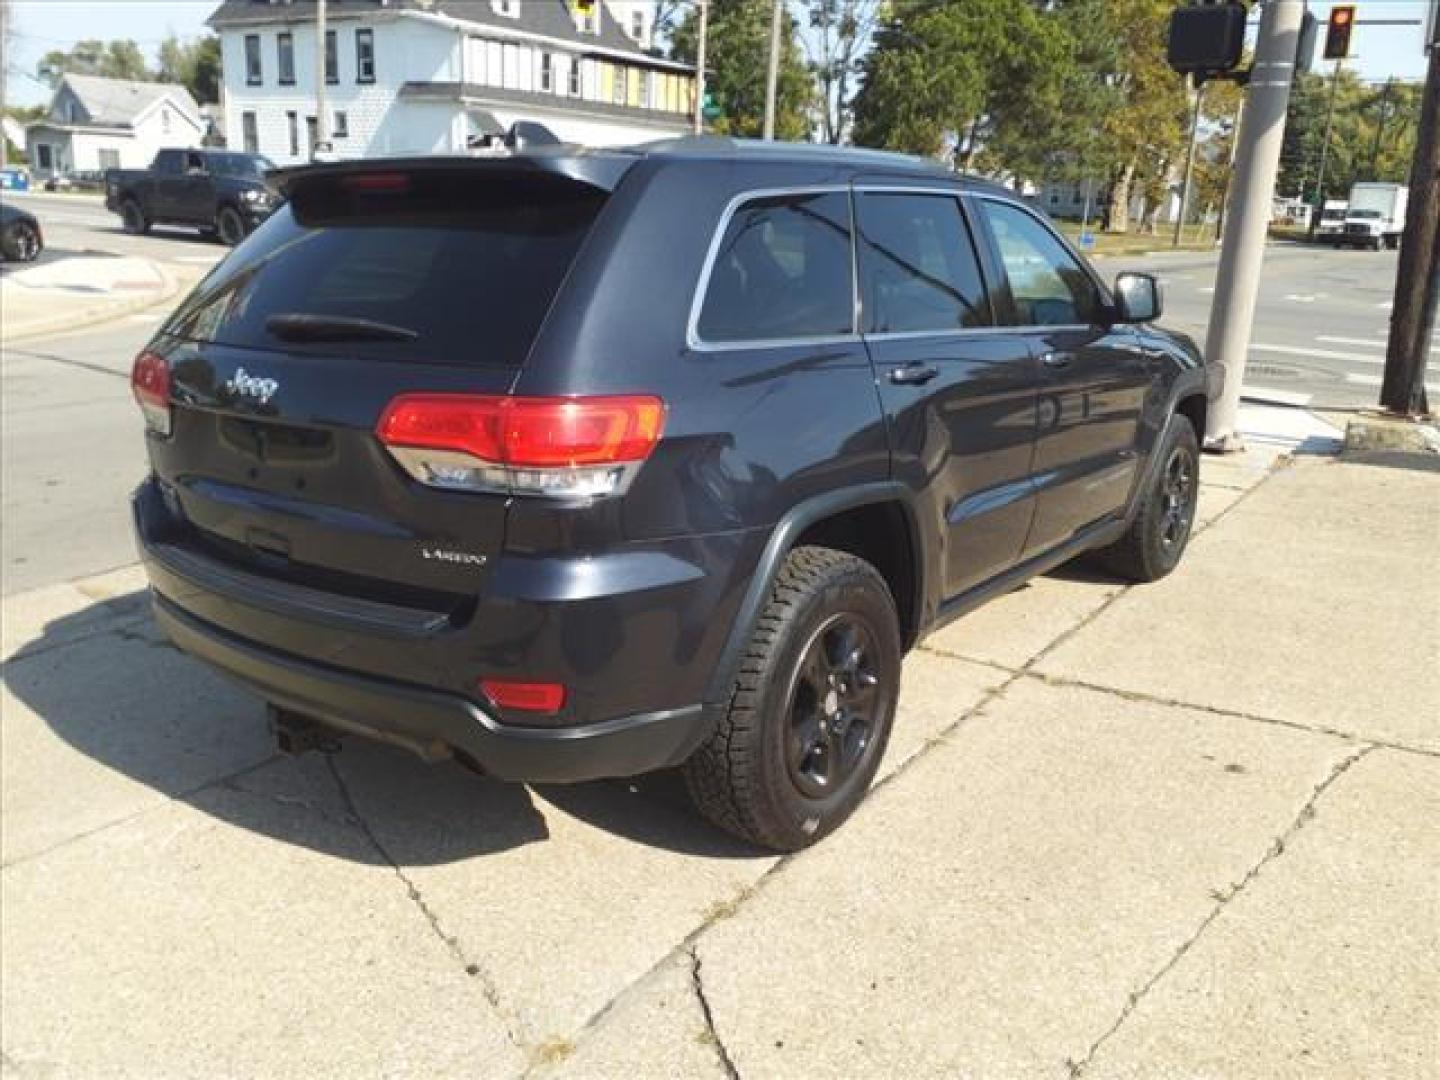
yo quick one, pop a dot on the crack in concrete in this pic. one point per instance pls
(1223, 899)
(726, 1062)
(450, 941)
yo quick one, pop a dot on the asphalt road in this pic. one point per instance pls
(75, 224)
(72, 446)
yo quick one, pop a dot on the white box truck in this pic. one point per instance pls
(1376, 216)
(1332, 220)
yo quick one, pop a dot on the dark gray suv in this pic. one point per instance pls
(577, 464)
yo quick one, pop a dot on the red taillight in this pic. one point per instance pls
(555, 446)
(150, 383)
(525, 696)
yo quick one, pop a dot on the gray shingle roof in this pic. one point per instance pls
(548, 17)
(117, 102)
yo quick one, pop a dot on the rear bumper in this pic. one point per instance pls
(433, 723)
(258, 631)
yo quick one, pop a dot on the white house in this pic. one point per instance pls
(425, 76)
(95, 124)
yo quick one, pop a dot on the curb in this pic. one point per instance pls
(98, 313)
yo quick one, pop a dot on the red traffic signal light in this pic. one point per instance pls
(1337, 33)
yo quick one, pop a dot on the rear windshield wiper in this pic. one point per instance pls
(298, 326)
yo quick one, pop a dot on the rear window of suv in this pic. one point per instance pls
(467, 265)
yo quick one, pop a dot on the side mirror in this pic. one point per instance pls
(1137, 298)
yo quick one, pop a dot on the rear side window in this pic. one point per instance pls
(1048, 286)
(466, 266)
(918, 266)
(782, 271)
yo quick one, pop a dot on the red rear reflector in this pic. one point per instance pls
(390, 182)
(527, 432)
(525, 696)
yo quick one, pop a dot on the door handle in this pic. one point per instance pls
(913, 374)
(1057, 360)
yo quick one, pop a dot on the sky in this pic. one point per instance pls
(42, 25)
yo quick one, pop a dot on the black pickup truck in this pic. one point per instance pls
(220, 192)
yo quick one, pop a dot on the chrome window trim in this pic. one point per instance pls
(696, 343)
(1085, 267)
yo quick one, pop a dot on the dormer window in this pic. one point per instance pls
(587, 16)
(637, 26)
(508, 8)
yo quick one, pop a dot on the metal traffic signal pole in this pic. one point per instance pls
(1417, 279)
(1257, 161)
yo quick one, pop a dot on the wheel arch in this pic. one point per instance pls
(856, 520)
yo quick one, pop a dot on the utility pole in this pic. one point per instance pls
(1325, 150)
(772, 76)
(1189, 161)
(700, 68)
(1257, 161)
(1417, 279)
(1380, 128)
(322, 121)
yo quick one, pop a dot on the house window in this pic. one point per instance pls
(253, 72)
(364, 56)
(647, 89)
(250, 133)
(312, 134)
(293, 121)
(45, 155)
(590, 20)
(332, 58)
(637, 25)
(509, 8)
(342, 125)
(574, 76)
(621, 81)
(165, 121)
(285, 57)
(547, 72)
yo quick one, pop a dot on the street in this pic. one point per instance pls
(1119, 830)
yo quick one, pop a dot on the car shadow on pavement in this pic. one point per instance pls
(110, 686)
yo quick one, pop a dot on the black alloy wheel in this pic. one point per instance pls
(835, 706)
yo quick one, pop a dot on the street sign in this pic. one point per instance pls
(1337, 33)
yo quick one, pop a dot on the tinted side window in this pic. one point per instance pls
(918, 267)
(167, 162)
(782, 271)
(1048, 286)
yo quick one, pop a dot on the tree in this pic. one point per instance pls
(194, 64)
(737, 53)
(940, 73)
(840, 33)
(113, 60)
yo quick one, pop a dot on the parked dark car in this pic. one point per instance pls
(581, 464)
(21, 238)
(221, 192)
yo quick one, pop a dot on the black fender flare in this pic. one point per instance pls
(782, 538)
(1189, 384)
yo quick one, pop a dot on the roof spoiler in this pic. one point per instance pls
(525, 153)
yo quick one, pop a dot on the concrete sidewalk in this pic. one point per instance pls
(1189, 828)
(75, 291)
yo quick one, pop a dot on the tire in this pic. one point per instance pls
(21, 242)
(132, 218)
(811, 708)
(1156, 539)
(229, 226)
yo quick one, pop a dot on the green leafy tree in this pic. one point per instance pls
(737, 53)
(194, 64)
(113, 60)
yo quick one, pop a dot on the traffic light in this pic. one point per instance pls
(1206, 39)
(1337, 34)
